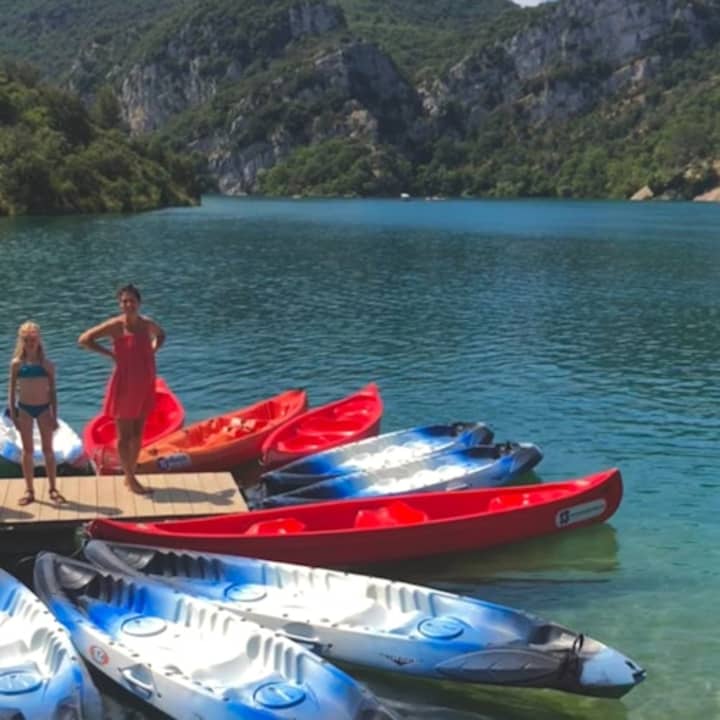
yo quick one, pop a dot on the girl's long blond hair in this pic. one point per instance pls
(27, 328)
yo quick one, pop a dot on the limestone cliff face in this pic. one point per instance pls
(371, 102)
(574, 55)
(187, 70)
(581, 51)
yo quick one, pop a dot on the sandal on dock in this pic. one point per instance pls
(56, 496)
(27, 498)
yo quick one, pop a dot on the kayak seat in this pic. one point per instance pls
(332, 427)
(396, 513)
(280, 526)
(509, 501)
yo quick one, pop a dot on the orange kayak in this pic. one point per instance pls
(224, 441)
(343, 421)
(100, 434)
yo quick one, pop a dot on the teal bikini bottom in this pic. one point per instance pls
(34, 411)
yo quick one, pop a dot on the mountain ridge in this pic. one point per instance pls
(570, 99)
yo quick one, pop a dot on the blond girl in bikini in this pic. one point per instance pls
(32, 399)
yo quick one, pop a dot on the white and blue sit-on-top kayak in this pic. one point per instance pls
(188, 657)
(387, 625)
(41, 675)
(376, 453)
(67, 447)
(460, 469)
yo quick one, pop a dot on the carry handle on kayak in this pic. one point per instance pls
(304, 635)
(143, 689)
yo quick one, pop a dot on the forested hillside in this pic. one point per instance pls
(56, 157)
(575, 98)
(49, 33)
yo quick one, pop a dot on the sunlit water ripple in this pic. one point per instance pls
(591, 329)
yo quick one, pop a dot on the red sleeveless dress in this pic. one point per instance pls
(130, 392)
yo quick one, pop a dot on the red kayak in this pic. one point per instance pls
(222, 442)
(383, 529)
(352, 418)
(100, 434)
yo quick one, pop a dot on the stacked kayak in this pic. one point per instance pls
(376, 453)
(383, 529)
(343, 421)
(100, 434)
(222, 442)
(189, 658)
(473, 467)
(41, 676)
(386, 625)
(70, 456)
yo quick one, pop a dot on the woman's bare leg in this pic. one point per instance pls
(129, 441)
(124, 434)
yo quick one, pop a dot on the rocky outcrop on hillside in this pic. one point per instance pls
(187, 70)
(581, 51)
(362, 93)
(572, 56)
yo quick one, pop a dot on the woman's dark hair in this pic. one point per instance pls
(129, 289)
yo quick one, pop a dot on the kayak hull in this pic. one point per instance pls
(41, 675)
(187, 657)
(384, 624)
(70, 456)
(343, 421)
(100, 434)
(384, 529)
(463, 469)
(376, 454)
(224, 441)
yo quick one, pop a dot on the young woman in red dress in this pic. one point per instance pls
(130, 394)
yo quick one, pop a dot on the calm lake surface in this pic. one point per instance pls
(591, 329)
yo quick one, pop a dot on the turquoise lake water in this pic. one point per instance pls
(589, 328)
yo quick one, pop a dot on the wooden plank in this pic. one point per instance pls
(178, 486)
(107, 502)
(144, 504)
(15, 512)
(4, 509)
(221, 497)
(175, 495)
(76, 491)
(46, 510)
(126, 499)
(195, 502)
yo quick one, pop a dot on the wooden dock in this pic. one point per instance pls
(174, 495)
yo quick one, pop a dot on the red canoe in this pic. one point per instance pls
(100, 434)
(382, 529)
(222, 442)
(352, 418)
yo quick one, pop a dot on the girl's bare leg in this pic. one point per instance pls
(25, 426)
(46, 424)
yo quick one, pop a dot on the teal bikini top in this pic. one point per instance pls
(32, 370)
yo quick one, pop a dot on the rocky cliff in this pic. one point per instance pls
(579, 52)
(302, 79)
(351, 92)
(187, 69)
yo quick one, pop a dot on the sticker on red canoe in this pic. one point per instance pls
(178, 461)
(99, 655)
(580, 513)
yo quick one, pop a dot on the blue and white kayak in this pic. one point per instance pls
(190, 658)
(67, 447)
(41, 674)
(474, 467)
(387, 625)
(376, 453)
